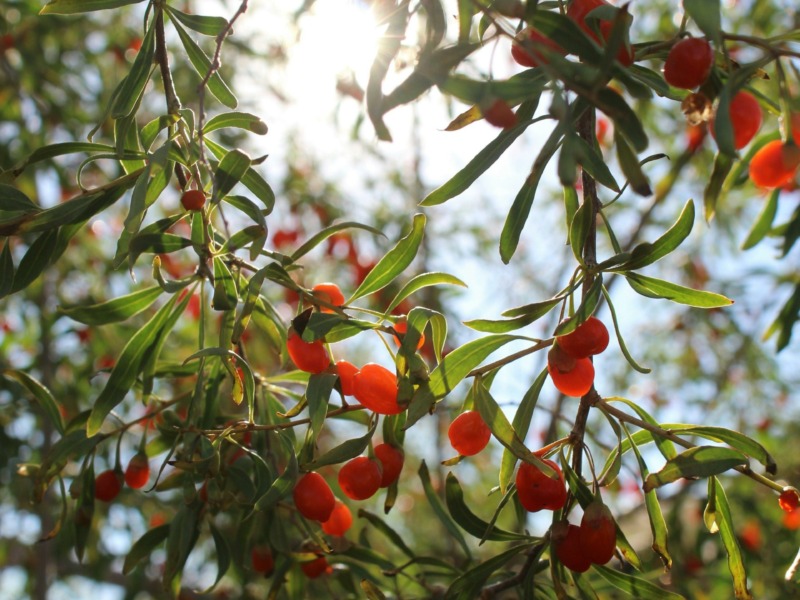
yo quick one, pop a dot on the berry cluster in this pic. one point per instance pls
(568, 361)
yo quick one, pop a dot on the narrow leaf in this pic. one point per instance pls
(646, 253)
(42, 395)
(71, 7)
(440, 510)
(468, 520)
(701, 461)
(635, 587)
(210, 26)
(144, 546)
(134, 83)
(724, 522)
(202, 65)
(394, 262)
(658, 288)
(115, 310)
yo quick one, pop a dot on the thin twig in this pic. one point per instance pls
(162, 58)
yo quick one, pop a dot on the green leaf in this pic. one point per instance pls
(724, 523)
(386, 530)
(240, 120)
(113, 311)
(665, 446)
(707, 15)
(182, 536)
(202, 65)
(129, 365)
(71, 7)
(251, 180)
(630, 165)
(39, 256)
(440, 510)
(284, 484)
(468, 520)
(421, 281)
(84, 510)
(635, 587)
(469, 584)
(593, 163)
(658, 288)
(230, 171)
(579, 229)
(722, 166)
(134, 83)
(701, 461)
(622, 346)
(484, 159)
(646, 254)
(223, 553)
(520, 424)
(205, 25)
(521, 207)
(451, 371)
(763, 222)
(658, 525)
(6, 270)
(225, 294)
(733, 438)
(327, 232)
(625, 118)
(502, 429)
(42, 395)
(394, 262)
(143, 547)
(343, 452)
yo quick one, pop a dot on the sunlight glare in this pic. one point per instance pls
(336, 38)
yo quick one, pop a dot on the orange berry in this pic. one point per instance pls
(137, 473)
(347, 372)
(193, 199)
(774, 164)
(107, 485)
(330, 293)
(313, 497)
(375, 387)
(537, 491)
(745, 114)
(499, 114)
(789, 499)
(576, 381)
(311, 357)
(688, 63)
(391, 459)
(401, 327)
(587, 339)
(315, 568)
(340, 520)
(468, 433)
(262, 560)
(569, 547)
(524, 48)
(598, 533)
(360, 478)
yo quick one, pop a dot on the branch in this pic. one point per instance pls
(173, 102)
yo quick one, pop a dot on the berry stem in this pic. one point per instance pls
(586, 130)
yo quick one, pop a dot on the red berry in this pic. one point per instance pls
(311, 357)
(789, 499)
(695, 134)
(499, 114)
(569, 548)
(193, 199)
(315, 568)
(401, 327)
(107, 485)
(587, 339)
(524, 49)
(468, 433)
(262, 560)
(376, 389)
(745, 114)
(330, 293)
(791, 520)
(347, 372)
(795, 127)
(750, 535)
(537, 491)
(774, 164)
(137, 473)
(575, 381)
(688, 63)
(391, 459)
(360, 478)
(340, 520)
(313, 497)
(598, 533)
(578, 11)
